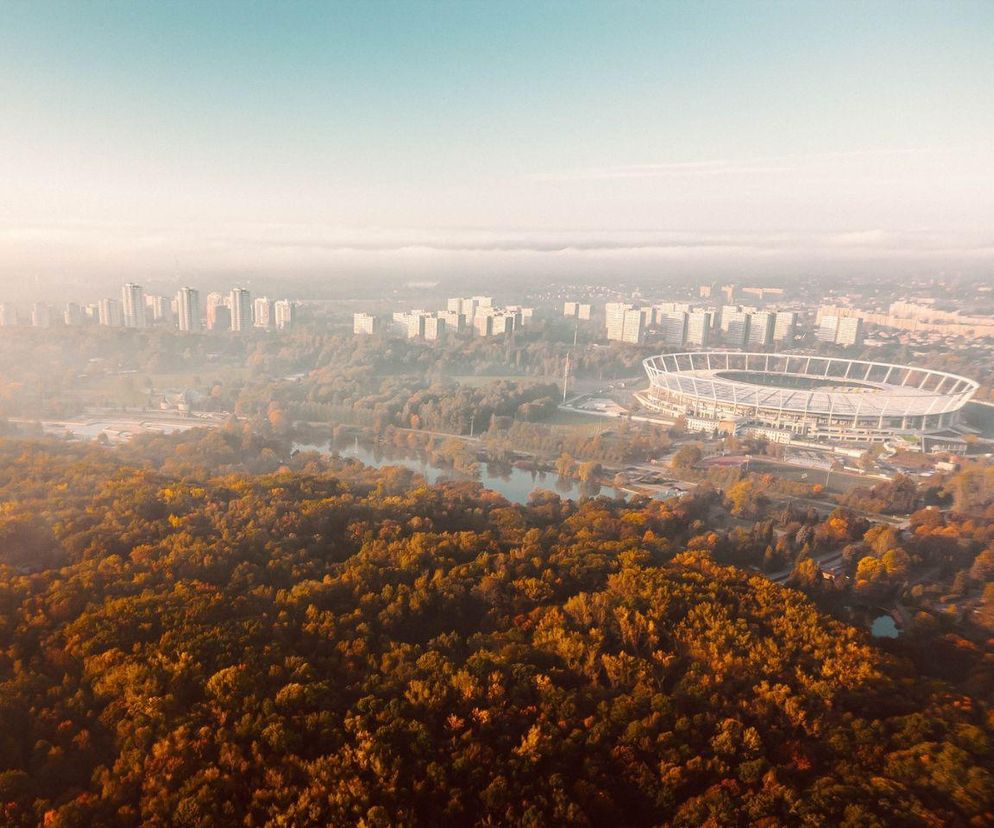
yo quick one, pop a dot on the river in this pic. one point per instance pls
(513, 483)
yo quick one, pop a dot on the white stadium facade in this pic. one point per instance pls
(806, 397)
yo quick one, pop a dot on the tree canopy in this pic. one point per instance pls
(322, 644)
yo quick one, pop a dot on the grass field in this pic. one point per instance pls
(836, 481)
(571, 418)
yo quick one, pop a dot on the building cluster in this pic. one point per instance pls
(577, 310)
(680, 324)
(729, 291)
(234, 311)
(749, 327)
(840, 330)
(626, 322)
(915, 317)
(476, 313)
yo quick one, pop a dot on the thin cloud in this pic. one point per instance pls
(285, 247)
(729, 167)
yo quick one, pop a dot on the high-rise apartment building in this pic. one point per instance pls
(761, 326)
(828, 328)
(634, 325)
(673, 326)
(434, 328)
(737, 332)
(416, 323)
(8, 315)
(214, 301)
(845, 331)
(109, 313)
(727, 312)
(483, 324)
(661, 310)
(614, 319)
(850, 332)
(285, 313)
(133, 305)
(241, 309)
(160, 310)
(699, 328)
(188, 309)
(363, 323)
(785, 326)
(503, 323)
(522, 315)
(577, 310)
(263, 315)
(468, 307)
(625, 322)
(455, 322)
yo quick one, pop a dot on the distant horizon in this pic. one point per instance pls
(359, 287)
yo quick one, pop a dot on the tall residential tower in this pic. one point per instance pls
(241, 309)
(188, 309)
(133, 305)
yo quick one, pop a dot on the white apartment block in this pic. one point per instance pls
(241, 309)
(699, 325)
(761, 326)
(285, 313)
(109, 313)
(434, 328)
(262, 312)
(188, 309)
(133, 305)
(455, 322)
(363, 323)
(850, 332)
(625, 322)
(828, 329)
(785, 326)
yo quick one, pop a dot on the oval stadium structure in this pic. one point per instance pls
(812, 397)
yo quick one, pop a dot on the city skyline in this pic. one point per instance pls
(409, 139)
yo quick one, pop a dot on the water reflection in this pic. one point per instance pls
(883, 626)
(514, 483)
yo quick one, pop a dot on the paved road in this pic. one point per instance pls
(825, 561)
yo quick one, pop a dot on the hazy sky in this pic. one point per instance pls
(193, 136)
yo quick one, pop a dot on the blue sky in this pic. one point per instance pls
(304, 135)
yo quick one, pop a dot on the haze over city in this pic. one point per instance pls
(534, 414)
(158, 139)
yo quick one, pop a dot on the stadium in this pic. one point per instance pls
(804, 397)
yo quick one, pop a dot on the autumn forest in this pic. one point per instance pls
(196, 643)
